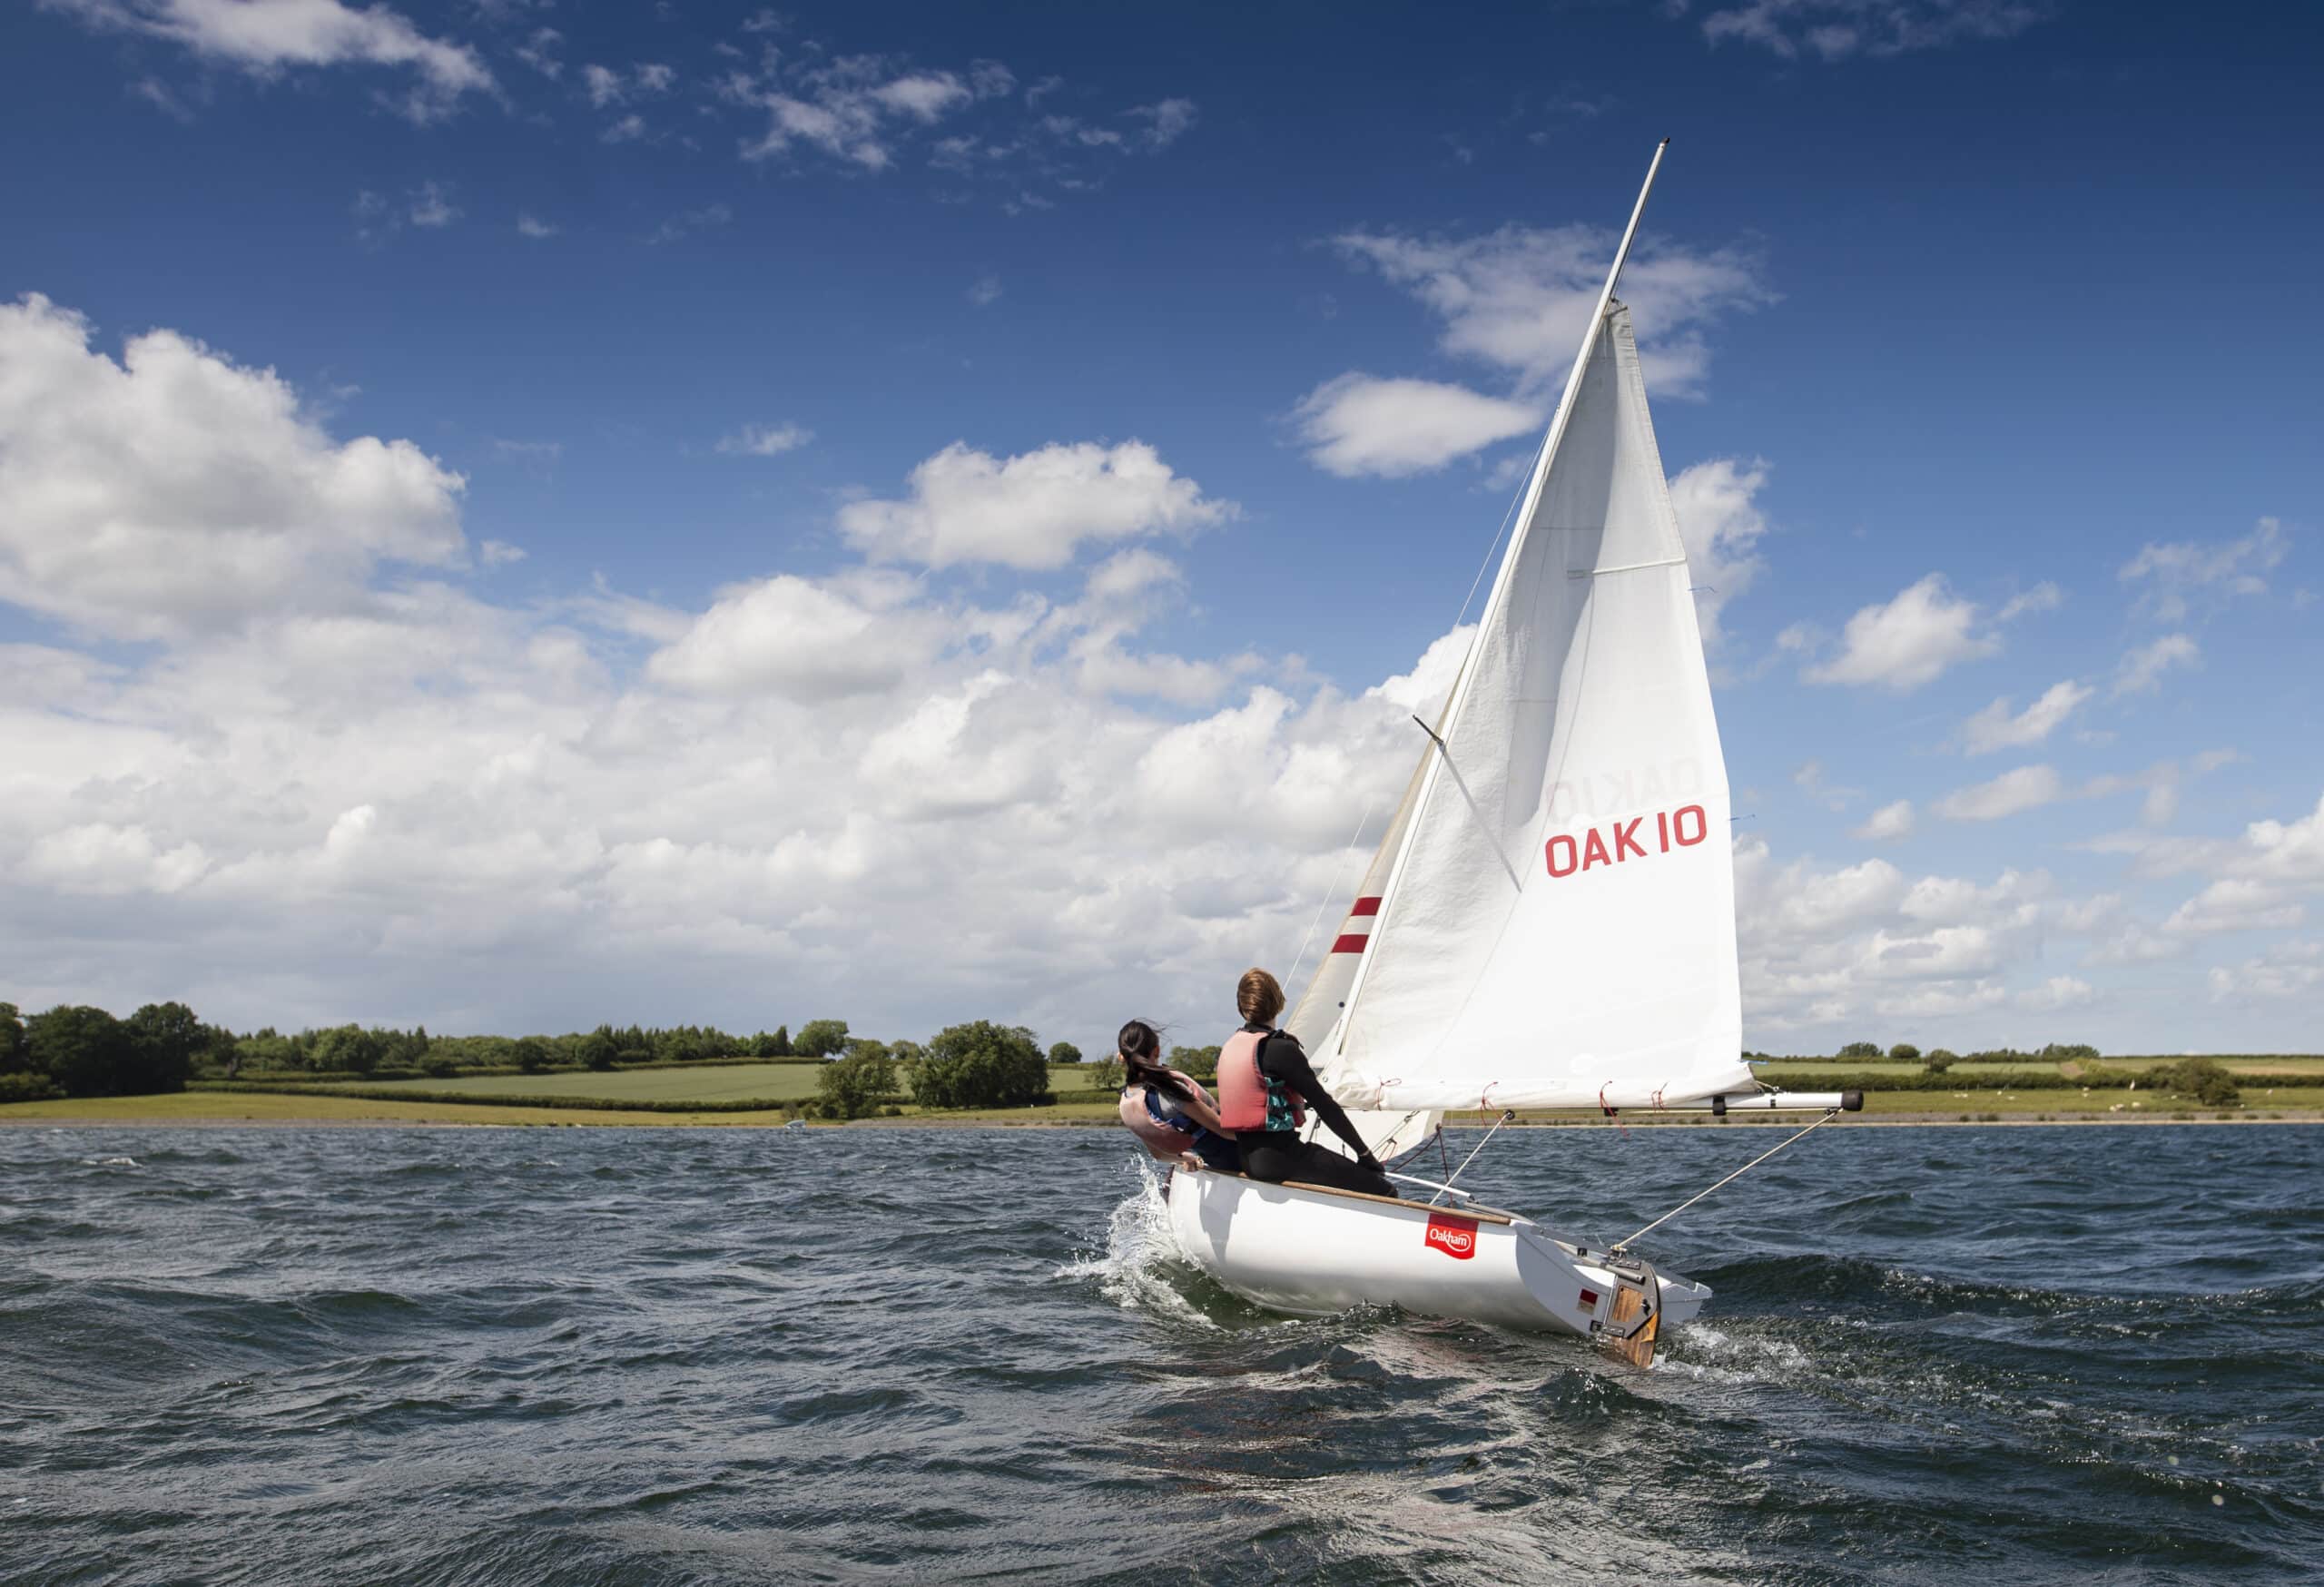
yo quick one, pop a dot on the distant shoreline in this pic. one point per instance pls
(239, 1113)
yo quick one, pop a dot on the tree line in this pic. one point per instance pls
(77, 1050)
(1938, 1058)
(382, 1050)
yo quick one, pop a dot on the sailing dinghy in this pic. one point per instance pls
(1548, 921)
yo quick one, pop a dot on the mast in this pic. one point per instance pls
(1493, 601)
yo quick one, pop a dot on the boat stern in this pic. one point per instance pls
(1681, 1298)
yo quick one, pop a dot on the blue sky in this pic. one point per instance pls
(711, 513)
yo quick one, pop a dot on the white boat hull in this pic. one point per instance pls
(1311, 1252)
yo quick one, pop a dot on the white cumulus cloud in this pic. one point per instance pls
(1839, 30)
(1030, 511)
(1910, 641)
(792, 636)
(2289, 970)
(1721, 522)
(1361, 425)
(1887, 823)
(99, 858)
(1847, 951)
(2171, 574)
(267, 36)
(378, 798)
(2026, 788)
(2143, 667)
(1995, 728)
(2058, 992)
(1166, 122)
(177, 490)
(765, 440)
(853, 108)
(1520, 298)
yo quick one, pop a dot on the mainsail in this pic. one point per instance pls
(1558, 924)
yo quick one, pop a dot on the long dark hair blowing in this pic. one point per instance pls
(1140, 1045)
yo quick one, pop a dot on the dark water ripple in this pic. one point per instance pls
(656, 1356)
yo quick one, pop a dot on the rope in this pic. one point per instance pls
(1472, 1158)
(1698, 1195)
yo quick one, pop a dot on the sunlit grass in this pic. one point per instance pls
(1978, 1104)
(772, 1082)
(266, 1108)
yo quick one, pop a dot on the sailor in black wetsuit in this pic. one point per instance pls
(1264, 1077)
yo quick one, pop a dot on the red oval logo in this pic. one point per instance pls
(1455, 1236)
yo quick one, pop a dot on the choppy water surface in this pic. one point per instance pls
(614, 1355)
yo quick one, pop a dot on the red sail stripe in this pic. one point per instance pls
(1352, 943)
(1365, 906)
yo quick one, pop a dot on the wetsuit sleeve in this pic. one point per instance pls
(1283, 1057)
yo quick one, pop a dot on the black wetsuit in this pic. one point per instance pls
(1277, 1155)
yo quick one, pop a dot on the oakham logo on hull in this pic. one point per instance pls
(1455, 1236)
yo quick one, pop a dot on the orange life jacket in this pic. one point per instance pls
(1249, 1098)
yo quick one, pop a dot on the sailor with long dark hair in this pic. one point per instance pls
(1168, 1110)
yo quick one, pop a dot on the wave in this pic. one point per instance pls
(687, 1359)
(1140, 1269)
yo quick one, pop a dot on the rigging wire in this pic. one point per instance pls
(1507, 513)
(1511, 512)
(1507, 1115)
(1339, 883)
(1698, 1195)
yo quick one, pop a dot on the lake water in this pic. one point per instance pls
(648, 1357)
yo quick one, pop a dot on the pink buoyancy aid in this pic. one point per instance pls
(1242, 1090)
(1158, 1138)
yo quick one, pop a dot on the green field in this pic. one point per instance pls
(2274, 1086)
(2113, 1104)
(771, 1082)
(778, 1083)
(318, 1108)
(1801, 1071)
(1896, 1107)
(734, 1082)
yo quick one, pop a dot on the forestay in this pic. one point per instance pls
(1558, 927)
(1315, 1019)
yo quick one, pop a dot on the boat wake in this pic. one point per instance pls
(1140, 1269)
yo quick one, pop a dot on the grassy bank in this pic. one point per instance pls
(2300, 1103)
(726, 1084)
(771, 1093)
(318, 1108)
